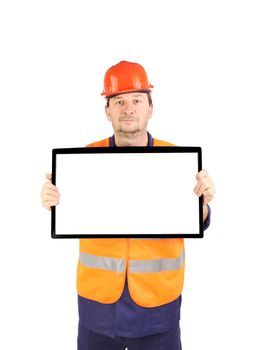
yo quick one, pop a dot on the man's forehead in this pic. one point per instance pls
(129, 94)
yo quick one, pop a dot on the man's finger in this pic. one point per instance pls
(197, 187)
(49, 176)
(49, 204)
(203, 173)
(48, 185)
(51, 195)
(201, 189)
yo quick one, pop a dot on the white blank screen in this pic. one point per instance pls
(127, 193)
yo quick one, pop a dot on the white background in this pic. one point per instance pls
(201, 56)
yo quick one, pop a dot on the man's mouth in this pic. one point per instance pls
(128, 119)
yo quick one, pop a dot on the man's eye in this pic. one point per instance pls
(137, 101)
(119, 103)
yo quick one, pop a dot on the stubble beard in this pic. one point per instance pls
(128, 132)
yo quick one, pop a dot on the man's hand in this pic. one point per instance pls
(50, 195)
(205, 187)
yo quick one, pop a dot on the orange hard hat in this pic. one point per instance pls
(125, 77)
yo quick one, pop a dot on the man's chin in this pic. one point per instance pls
(129, 130)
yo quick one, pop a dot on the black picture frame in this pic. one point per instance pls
(108, 150)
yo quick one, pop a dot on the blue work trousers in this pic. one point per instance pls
(88, 340)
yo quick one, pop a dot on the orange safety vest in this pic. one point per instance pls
(154, 267)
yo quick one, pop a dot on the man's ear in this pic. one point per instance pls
(150, 111)
(107, 113)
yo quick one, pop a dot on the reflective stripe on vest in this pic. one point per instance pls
(157, 265)
(119, 265)
(103, 262)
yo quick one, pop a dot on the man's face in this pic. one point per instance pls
(129, 112)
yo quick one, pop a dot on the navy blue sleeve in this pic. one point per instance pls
(207, 221)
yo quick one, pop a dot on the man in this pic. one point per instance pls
(129, 290)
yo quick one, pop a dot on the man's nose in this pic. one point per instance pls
(129, 108)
